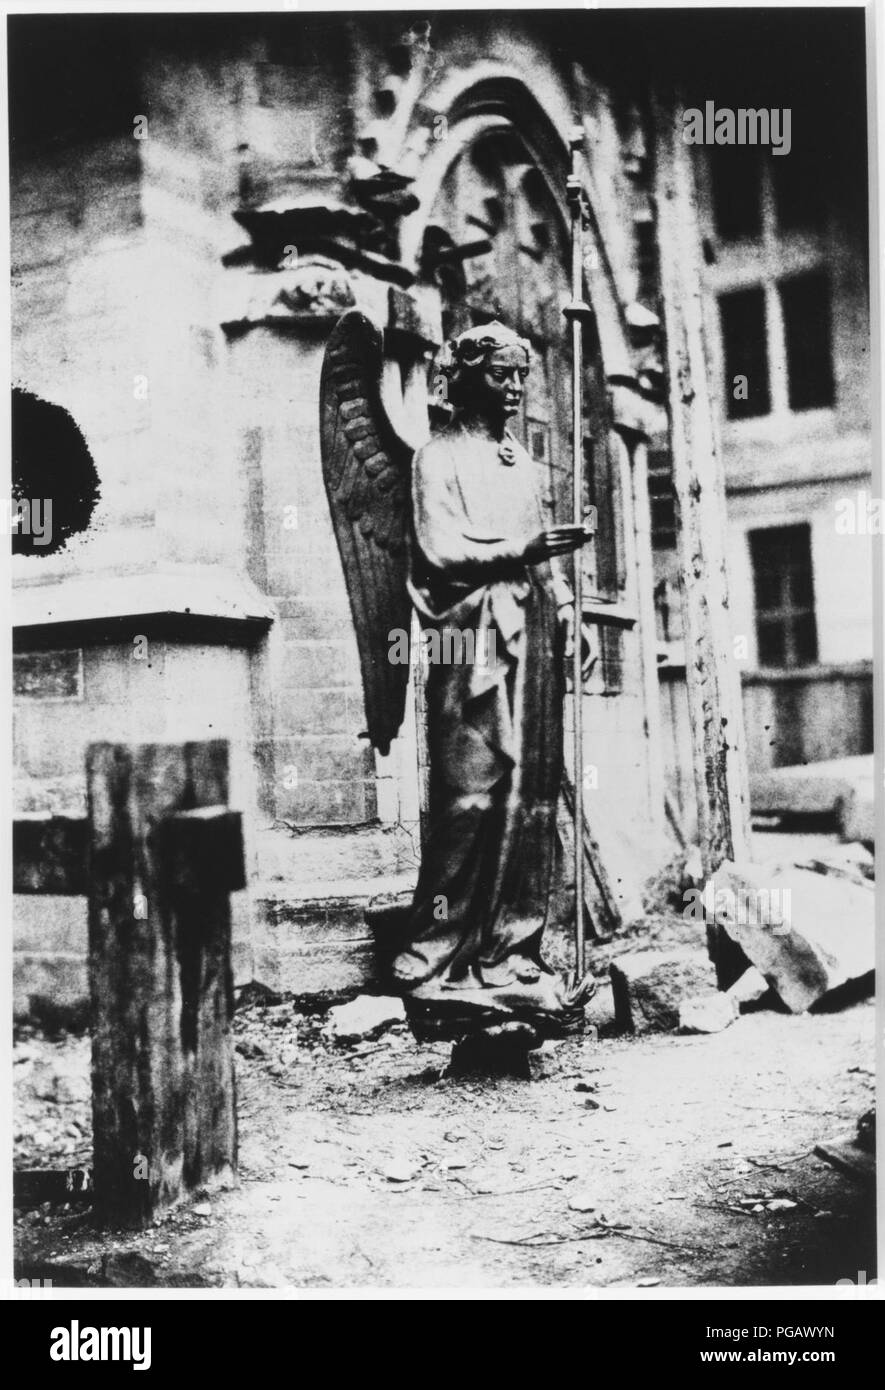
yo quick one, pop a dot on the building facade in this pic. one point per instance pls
(786, 271)
(184, 236)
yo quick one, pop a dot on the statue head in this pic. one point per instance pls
(487, 368)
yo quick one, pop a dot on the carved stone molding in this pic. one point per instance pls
(315, 293)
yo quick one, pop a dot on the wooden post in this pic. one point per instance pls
(640, 591)
(420, 670)
(164, 852)
(711, 672)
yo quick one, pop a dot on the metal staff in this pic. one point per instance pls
(577, 312)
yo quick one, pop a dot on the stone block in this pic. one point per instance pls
(327, 802)
(318, 972)
(707, 1013)
(44, 924)
(320, 665)
(749, 989)
(59, 980)
(303, 711)
(367, 1016)
(322, 758)
(807, 934)
(315, 620)
(649, 986)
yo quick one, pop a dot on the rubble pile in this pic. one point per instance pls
(793, 936)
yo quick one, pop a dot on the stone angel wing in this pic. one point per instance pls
(367, 473)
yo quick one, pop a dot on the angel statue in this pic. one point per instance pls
(456, 531)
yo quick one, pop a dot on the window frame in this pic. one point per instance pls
(787, 612)
(777, 255)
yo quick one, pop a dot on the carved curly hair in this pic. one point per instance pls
(469, 352)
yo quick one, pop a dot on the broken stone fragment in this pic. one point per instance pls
(749, 988)
(127, 1269)
(583, 1201)
(366, 1017)
(807, 933)
(852, 861)
(707, 1013)
(545, 1061)
(402, 1169)
(649, 986)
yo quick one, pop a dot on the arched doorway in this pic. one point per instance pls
(497, 247)
(492, 235)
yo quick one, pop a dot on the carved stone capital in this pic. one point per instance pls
(313, 294)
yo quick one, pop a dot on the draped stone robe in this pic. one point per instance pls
(494, 722)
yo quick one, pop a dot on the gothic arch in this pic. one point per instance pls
(489, 97)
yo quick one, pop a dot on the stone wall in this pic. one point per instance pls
(144, 308)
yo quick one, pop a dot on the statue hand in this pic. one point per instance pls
(558, 540)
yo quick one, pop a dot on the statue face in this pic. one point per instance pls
(499, 384)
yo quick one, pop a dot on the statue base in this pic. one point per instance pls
(513, 1017)
(502, 1049)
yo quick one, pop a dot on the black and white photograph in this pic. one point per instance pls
(445, 659)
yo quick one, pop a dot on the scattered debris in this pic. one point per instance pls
(853, 1154)
(127, 1269)
(365, 1017)
(60, 1086)
(402, 1170)
(582, 1201)
(599, 1230)
(778, 1167)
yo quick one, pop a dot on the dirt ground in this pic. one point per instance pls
(362, 1166)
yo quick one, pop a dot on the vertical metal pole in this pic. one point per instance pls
(575, 312)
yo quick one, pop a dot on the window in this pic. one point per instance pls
(786, 631)
(737, 193)
(662, 500)
(805, 304)
(767, 249)
(745, 350)
(798, 180)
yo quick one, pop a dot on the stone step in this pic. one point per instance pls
(325, 940)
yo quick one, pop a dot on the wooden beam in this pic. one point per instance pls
(609, 612)
(164, 1118)
(711, 673)
(633, 449)
(49, 854)
(205, 849)
(603, 914)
